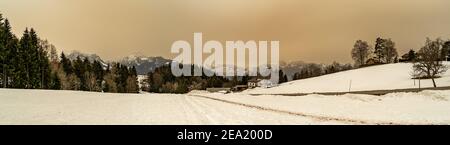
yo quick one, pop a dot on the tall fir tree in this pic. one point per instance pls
(282, 78)
(132, 82)
(34, 71)
(3, 54)
(7, 45)
(12, 60)
(79, 69)
(122, 78)
(379, 49)
(24, 64)
(66, 64)
(446, 49)
(87, 72)
(55, 81)
(98, 71)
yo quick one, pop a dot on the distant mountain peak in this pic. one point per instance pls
(144, 64)
(91, 57)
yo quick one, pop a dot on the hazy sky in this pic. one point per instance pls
(309, 30)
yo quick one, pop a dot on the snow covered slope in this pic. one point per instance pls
(381, 77)
(426, 107)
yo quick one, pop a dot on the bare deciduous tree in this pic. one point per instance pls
(53, 54)
(110, 84)
(74, 82)
(91, 81)
(132, 86)
(360, 52)
(429, 62)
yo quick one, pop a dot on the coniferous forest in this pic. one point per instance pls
(29, 62)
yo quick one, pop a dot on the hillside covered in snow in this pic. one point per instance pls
(380, 77)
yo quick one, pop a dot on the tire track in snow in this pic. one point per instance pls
(189, 114)
(322, 118)
(199, 110)
(232, 114)
(213, 112)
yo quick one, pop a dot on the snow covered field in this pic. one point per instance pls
(19, 106)
(426, 107)
(381, 77)
(71, 107)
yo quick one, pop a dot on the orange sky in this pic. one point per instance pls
(310, 30)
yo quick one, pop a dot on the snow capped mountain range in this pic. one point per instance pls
(144, 64)
(91, 57)
(290, 68)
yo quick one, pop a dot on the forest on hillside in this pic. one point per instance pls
(30, 62)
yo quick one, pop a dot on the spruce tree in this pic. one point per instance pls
(35, 72)
(98, 71)
(55, 82)
(133, 83)
(8, 44)
(123, 76)
(86, 71)
(3, 54)
(79, 70)
(282, 78)
(12, 56)
(412, 55)
(446, 49)
(24, 64)
(379, 47)
(78, 66)
(66, 64)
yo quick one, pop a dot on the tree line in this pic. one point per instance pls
(427, 62)
(163, 81)
(384, 52)
(314, 70)
(32, 63)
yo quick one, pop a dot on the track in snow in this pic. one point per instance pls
(322, 118)
(76, 107)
